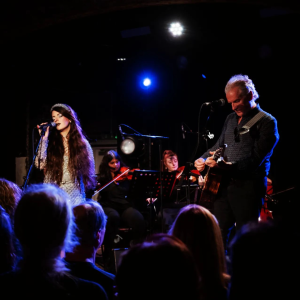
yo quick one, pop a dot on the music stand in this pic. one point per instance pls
(146, 184)
(186, 174)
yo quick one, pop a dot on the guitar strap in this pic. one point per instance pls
(251, 122)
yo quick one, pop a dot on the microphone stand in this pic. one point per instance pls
(205, 136)
(35, 154)
(206, 133)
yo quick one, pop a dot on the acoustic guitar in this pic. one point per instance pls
(212, 181)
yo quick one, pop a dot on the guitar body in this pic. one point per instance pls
(211, 186)
(212, 181)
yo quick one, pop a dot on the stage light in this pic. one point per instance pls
(132, 146)
(147, 82)
(176, 29)
(127, 146)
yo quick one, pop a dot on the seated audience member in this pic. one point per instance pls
(160, 268)
(44, 225)
(10, 194)
(199, 230)
(264, 262)
(7, 250)
(91, 222)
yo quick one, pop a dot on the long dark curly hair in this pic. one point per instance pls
(104, 170)
(80, 164)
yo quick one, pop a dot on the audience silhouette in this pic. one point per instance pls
(44, 225)
(91, 222)
(10, 194)
(264, 260)
(7, 250)
(197, 227)
(159, 268)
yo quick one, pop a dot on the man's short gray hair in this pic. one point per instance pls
(244, 83)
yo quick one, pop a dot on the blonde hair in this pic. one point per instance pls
(198, 228)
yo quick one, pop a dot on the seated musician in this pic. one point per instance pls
(178, 197)
(119, 211)
(169, 163)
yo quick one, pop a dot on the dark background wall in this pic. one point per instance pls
(75, 62)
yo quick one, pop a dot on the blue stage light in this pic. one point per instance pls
(146, 82)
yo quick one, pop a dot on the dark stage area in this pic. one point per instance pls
(52, 55)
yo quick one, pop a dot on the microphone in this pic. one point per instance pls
(182, 130)
(52, 124)
(219, 102)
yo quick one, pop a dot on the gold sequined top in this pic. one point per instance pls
(74, 188)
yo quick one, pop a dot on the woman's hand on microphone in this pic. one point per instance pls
(46, 134)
